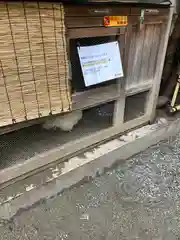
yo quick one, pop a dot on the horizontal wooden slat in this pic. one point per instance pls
(94, 97)
(89, 11)
(150, 11)
(139, 88)
(74, 22)
(94, 32)
(105, 94)
(83, 22)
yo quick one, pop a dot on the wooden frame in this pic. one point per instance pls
(94, 98)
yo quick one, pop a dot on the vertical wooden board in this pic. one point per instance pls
(118, 116)
(140, 37)
(156, 36)
(136, 54)
(131, 55)
(146, 53)
(161, 34)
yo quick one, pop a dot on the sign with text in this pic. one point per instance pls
(100, 63)
(115, 21)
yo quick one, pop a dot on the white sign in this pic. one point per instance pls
(100, 63)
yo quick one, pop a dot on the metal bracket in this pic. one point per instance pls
(142, 19)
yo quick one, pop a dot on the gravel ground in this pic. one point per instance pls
(139, 199)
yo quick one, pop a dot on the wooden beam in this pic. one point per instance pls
(93, 32)
(89, 22)
(118, 116)
(90, 11)
(94, 97)
(97, 96)
(139, 88)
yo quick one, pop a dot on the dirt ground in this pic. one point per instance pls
(139, 199)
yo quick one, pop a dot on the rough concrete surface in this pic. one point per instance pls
(139, 199)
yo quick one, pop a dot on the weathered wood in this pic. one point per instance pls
(141, 87)
(118, 116)
(105, 94)
(142, 54)
(94, 97)
(84, 22)
(147, 47)
(150, 11)
(156, 37)
(137, 56)
(89, 10)
(93, 32)
(153, 96)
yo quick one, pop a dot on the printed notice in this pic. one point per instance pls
(100, 63)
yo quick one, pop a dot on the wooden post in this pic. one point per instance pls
(154, 92)
(119, 108)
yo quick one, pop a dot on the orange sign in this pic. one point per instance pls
(115, 21)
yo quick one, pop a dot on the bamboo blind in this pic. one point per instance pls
(33, 61)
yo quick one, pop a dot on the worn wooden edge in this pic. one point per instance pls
(90, 10)
(105, 94)
(111, 9)
(119, 108)
(93, 32)
(94, 97)
(59, 154)
(142, 87)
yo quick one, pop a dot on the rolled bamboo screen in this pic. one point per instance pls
(33, 61)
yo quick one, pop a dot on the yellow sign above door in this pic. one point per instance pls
(115, 21)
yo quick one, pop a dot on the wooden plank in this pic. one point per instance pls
(75, 22)
(118, 116)
(153, 96)
(94, 97)
(83, 22)
(146, 53)
(67, 150)
(93, 11)
(142, 87)
(130, 50)
(156, 36)
(105, 94)
(137, 57)
(150, 11)
(93, 32)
